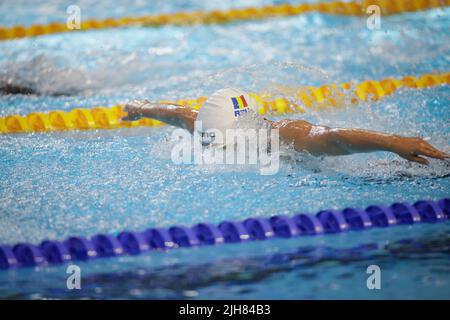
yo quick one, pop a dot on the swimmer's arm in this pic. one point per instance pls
(320, 140)
(171, 113)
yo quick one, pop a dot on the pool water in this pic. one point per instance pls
(79, 183)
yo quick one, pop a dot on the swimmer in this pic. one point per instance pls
(222, 109)
(10, 88)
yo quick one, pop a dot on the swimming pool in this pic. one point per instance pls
(54, 185)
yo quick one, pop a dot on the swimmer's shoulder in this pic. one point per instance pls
(291, 124)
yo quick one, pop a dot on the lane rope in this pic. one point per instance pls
(353, 8)
(309, 97)
(51, 252)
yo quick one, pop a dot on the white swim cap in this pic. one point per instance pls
(219, 113)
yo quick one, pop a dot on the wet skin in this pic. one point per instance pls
(304, 136)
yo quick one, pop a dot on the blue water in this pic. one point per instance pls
(60, 184)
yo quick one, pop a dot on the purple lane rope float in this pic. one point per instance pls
(77, 248)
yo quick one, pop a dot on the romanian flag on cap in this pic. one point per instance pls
(239, 102)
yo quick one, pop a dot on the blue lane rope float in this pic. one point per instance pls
(76, 248)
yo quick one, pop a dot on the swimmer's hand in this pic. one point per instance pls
(134, 110)
(413, 149)
(174, 114)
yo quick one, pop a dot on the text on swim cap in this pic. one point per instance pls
(240, 105)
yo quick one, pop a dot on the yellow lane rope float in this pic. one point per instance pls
(301, 99)
(353, 8)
